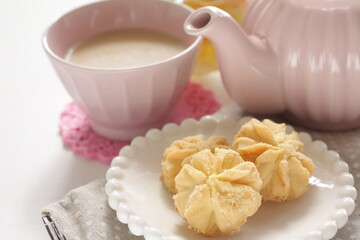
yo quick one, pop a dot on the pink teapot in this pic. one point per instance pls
(301, 57)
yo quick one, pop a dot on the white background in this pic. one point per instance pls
(35, 168)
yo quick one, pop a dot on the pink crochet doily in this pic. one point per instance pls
(78, 135)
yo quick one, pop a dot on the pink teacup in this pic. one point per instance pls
(126, 102)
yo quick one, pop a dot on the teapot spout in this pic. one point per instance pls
(248, 65)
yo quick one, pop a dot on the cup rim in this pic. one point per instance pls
(49, 51)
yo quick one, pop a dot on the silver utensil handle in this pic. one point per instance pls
(51, 228)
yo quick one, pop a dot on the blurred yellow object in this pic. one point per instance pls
(207, 61)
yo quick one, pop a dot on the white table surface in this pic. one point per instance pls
(35, 168)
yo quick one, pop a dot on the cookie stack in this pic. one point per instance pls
(217, 186)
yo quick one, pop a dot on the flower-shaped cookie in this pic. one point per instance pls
(284, 169)
(175, 154)
(217, 191)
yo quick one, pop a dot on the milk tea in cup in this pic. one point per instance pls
(124, 62)
(125, 48)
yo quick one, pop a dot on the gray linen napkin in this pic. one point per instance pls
(84, 212)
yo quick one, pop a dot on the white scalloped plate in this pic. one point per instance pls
(137, 194)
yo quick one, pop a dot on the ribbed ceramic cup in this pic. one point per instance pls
(123, 103)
